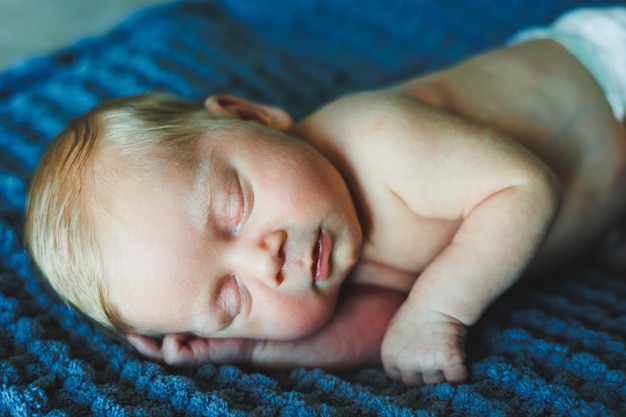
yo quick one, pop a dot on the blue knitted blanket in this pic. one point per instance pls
(556, 350)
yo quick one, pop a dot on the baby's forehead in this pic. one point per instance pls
(153, 152)
(143, 154)
(127, 188)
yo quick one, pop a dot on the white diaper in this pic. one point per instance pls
(597, 37)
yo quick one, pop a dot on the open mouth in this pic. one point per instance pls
(321, 257)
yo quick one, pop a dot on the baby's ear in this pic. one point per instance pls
(231, 106)
(176, 349)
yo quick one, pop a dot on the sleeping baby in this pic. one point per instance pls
(375, 231)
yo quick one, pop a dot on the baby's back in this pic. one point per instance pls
(540, 96)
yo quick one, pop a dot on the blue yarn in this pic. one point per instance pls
(558, 350)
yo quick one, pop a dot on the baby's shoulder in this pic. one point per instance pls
(368, 126)
(385, 145)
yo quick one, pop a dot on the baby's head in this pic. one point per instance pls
(153, 215)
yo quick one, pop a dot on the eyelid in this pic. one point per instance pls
(241, 211)
(229, 299)
(230, 212)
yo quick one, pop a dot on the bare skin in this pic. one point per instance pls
(464, 180)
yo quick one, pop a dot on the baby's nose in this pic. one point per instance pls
(263, 260)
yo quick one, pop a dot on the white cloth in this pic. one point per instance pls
(597, 38)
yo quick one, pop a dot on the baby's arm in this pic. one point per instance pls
(507, 201)
(351, 339)
(443, 168)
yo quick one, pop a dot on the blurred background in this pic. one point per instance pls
(34, 27)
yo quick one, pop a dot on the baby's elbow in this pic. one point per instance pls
(546, 190)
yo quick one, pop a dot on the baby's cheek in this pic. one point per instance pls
(305, 318)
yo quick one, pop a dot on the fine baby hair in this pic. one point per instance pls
(72, 186)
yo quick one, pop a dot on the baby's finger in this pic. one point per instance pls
(230, 350)
(147, 346)
(456, 374)
(433, 377)
(176, 352)
(393, 373)
(412, 379)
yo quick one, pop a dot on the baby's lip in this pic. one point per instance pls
(320, 267)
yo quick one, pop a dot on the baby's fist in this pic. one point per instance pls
(424, 348)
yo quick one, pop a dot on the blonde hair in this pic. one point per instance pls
(67, 190)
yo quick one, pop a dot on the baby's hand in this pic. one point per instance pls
(424, 347)
(183, 350)
(351, 339)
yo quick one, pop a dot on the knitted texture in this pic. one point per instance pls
(557, 350)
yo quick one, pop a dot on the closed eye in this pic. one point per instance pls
(229, 300)
(234, 205)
